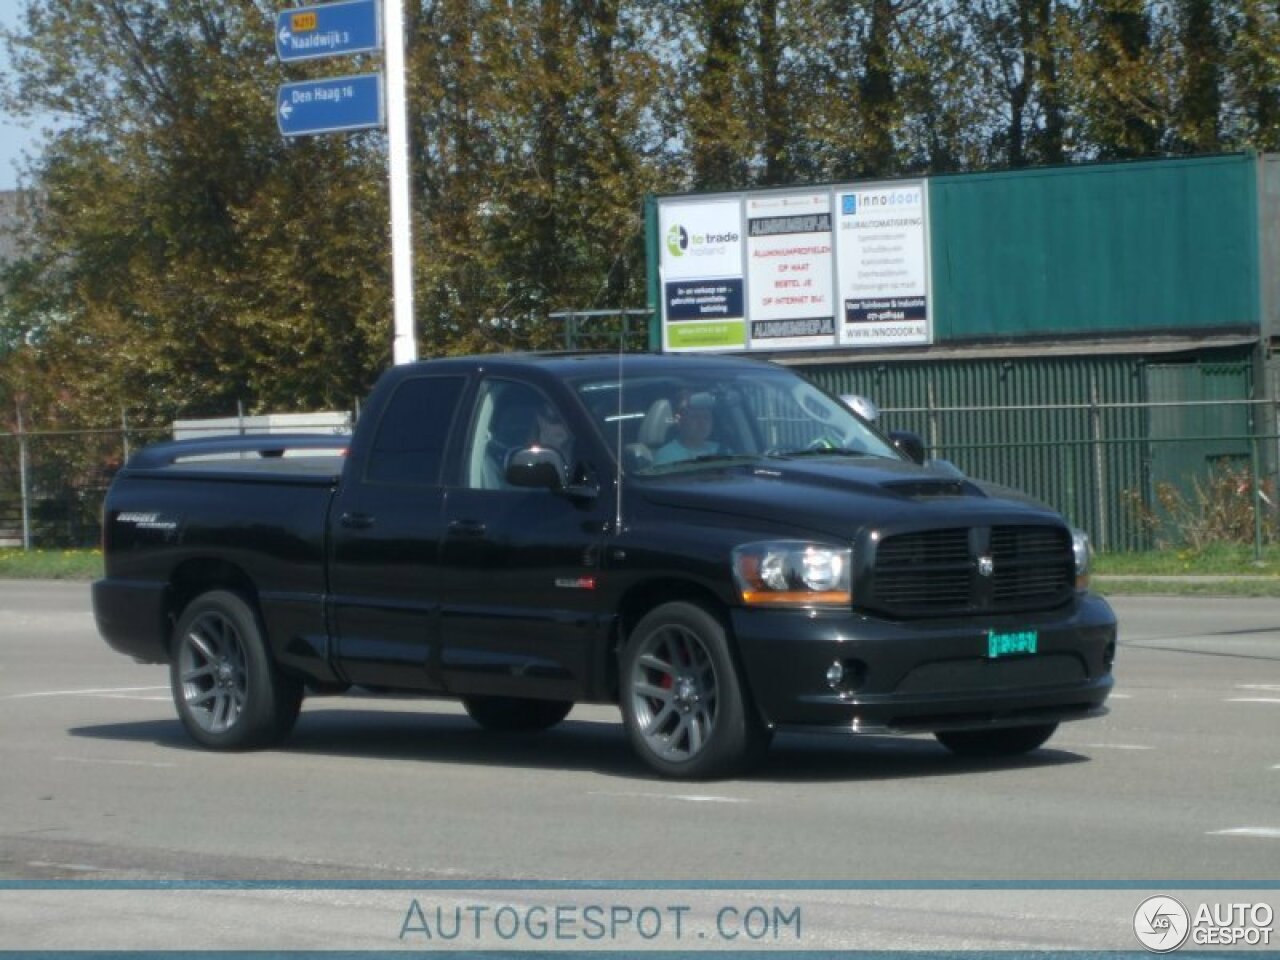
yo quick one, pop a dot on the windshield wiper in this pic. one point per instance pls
(822, 452)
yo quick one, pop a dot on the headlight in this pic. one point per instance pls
(1083, 552)
(792, 573)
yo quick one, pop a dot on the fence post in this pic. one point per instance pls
(24, 482)
(1099, 465)
(932, 416)
(1257, 490)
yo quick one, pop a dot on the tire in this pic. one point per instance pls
(509, 714)
(228, 692)
(686, 709)
(1000, 742)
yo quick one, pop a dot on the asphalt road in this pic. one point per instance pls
(98, 781)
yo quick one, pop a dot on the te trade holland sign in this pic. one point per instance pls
(328, 30)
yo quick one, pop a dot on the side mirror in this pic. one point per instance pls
(542, 468)
(863, 406)
(909, 443)
(539, 468)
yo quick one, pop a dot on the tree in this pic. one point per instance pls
(1199, 83)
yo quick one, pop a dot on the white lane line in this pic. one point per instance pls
(1121, 696)
(79, 693)
(1113, 746)
(115, 763)
(1253, 700)
(685, 797)
(1264, 833)
(1258, 686)
(70, 867)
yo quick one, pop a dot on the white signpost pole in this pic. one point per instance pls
(405, 348)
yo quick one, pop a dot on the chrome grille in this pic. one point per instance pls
(935, 572)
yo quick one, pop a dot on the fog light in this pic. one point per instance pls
(835, 674)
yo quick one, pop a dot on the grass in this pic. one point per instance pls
(50, 564)
(1246, 577)
(1224, 559)
(1187, 588)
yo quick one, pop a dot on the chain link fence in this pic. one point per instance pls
(1135, 476)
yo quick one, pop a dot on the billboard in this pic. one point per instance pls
(700, 270)
(882, 255)
(796, 269)
(789, 252)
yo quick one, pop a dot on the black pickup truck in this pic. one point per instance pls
(712, 543)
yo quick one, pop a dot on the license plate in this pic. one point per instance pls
(1008, 644)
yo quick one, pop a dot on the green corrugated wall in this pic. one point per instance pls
(1106, 249)
(1092, 463)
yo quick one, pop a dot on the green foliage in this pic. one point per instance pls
(50, 564)
(185, 257)
(1218, 509)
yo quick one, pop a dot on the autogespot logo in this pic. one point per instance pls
(677, 240)
(1161, 924)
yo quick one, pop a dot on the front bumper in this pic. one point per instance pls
(925, 675)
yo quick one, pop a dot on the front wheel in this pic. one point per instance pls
(510, 714)
(1001, 742)
(229, 693)
(686, 709)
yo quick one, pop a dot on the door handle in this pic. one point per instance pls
(466, 529)
(356, 521)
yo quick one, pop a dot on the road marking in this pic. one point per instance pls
(1112, 746)
(686, 797)
(1253, 700)
(79, 693)
(1258, 686)
(1122, 696)
(118, 763)
(70, 867)
(1264, 833)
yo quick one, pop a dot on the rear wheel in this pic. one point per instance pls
(516, 713)
(228, 692)
(1001, 742)
(685, 706)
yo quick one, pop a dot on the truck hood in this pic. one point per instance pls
(838, 496)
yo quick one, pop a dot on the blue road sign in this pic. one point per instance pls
(328, 30)
(331, 105)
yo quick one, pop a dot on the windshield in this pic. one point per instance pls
(701, 417)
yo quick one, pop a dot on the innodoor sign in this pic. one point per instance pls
(882, 254)
(328, 30)
(331, 105)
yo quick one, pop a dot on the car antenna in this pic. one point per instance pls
(617, 460)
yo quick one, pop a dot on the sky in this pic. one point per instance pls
(15, 135)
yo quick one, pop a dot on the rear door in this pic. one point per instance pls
(521, 602)
(386, 529)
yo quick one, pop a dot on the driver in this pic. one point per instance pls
(694, 422)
